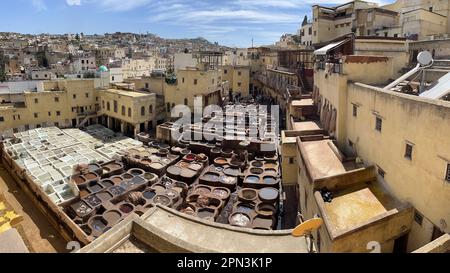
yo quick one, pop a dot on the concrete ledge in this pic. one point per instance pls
(440, 245)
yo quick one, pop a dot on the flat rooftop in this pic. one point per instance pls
(132, 94)
(302, 102)
(306, 126)
(321, 161)
(358, 205)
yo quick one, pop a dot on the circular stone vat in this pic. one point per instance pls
(161, 199)
(195, 167)
(239, 219)
(211, 176)
(93, 201)
(206, 214)
(270, 180)
(202, 190)
(220, 161)
(252, 179)
(188, 209)
(116, 179)
(256, 170)
(116, 190)
(267, 210)
(173, 194)
(150, 177)
(159, 188)
(257, 164)
(79, 180)
(163, 152)
(247, 195)
(112, 216)
(91, 176)
(135, 172)
(148, 194)
(269, 195)
(248, 208)
(189, 157)
(174, 170)
(127, 176)
(156, 166)
(270, 165)
(126, 208)
(146, 161)
(107, 183)
(231, 171)
(271, 172)
(221, 193)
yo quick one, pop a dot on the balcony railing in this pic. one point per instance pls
(330, 67)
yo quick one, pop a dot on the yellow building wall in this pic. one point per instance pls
(406, 119)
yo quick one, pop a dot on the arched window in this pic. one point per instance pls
(150, 109)
(108, 106)
(123, 110)
(129, 112)
(142, 111)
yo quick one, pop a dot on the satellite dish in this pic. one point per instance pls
(425, 58)
(307, 227)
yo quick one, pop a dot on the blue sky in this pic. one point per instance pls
(229, 22)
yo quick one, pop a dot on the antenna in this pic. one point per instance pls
(306, 228)
(252, 42)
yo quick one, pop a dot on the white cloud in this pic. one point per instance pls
(39, 5)
(73, 2)
(121, 5)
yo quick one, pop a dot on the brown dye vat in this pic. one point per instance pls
(162, 200)
(79, 180)
(270, 165)
(126, 208)
(112, 217)
(112, 167)
(240, 219)
(127, 176)
(146, 161)
(220, 161)
(263, 222)
(207, 214)
(104, 196)
(136, 198)
(135, 172)
(158, 188)
(221, 193)
(183, 164)
(247, 195)
(156, 166)
(268, 195)
(256, 170)
(188, 209)
(116, 179)
(267, 210)
(174, 172)
(84, 193)
(91, 176)
(202, 190)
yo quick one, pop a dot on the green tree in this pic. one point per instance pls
(2, 76)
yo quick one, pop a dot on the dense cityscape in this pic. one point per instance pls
(333, 139)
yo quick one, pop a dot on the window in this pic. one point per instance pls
(57, 124)
(378, 123)
(129, 112)
(35, 115)
(418, 218)
(87, 95)
(225, 71)
(115, 106)
(239, 84)
(408, 151)
(112, 78)
(56, 99)
(36, 101)
(239, 73)
(123, 110)
(49, 114)
(291, 160)
(146, 85)
(2, 119)
(46, 75)
(58, 113)
(168, 107)
(150, 109)
(195, 81)
(103, 104)
(182, 80)
(355, 110)
(108, 106)
(96, 98)
(74, 96)
(381, 172)
(142, 111)
(18, 117)
(27, 127)
(447, 175)
(185, 101)
(431, 9)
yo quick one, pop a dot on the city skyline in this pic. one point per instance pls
(231, 23)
